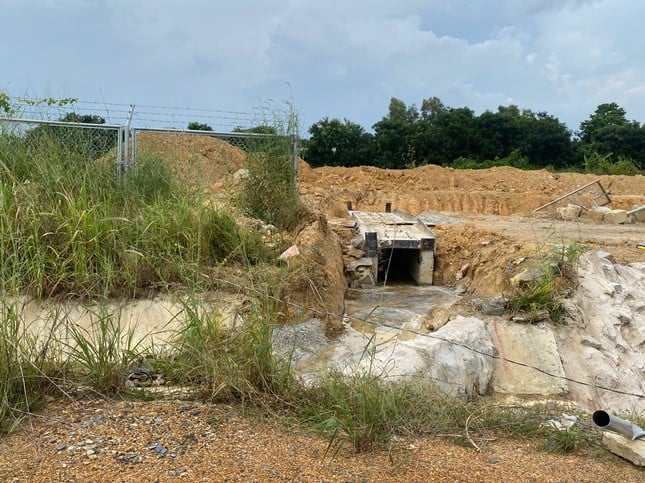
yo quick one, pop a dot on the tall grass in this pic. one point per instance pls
(270, 190)
(230, 363)
(70, 227)
(28, 368)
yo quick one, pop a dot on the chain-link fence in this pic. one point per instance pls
(123, 132)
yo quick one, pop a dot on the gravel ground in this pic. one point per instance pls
(174, 440)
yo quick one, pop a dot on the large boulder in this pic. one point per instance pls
(602, 342)
(442, 357)
(633, 451)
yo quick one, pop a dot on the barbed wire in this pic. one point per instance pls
(144, 115)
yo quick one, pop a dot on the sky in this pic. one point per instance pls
(340, 59)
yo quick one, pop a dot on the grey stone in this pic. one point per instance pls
(355, 252)
(591, 342)
(495, 306)
(633, 451)
(358, 242)
(527, 276)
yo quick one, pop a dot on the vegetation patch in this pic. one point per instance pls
(541, 293)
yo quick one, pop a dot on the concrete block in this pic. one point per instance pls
(597, 214)
(568, 213)
(633, 451)
(615, 217)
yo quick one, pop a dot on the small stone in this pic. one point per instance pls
(463, 271)
(61, 447)
(591, 342)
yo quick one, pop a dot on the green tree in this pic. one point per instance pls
(396, 136)
(199, 126)
(546, 141)
(607, 132)
(5, 104)
(90, 142)
(336, 143)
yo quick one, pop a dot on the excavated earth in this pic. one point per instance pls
(487, 231)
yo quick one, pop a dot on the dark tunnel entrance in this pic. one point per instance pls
(398, 265)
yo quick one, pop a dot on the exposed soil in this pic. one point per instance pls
(498, 191)
(494, 204)
(173, 440)
(160, 441)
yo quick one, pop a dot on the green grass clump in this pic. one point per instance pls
(99, 355)
(545, 294)
(233, 364)
(70, 227)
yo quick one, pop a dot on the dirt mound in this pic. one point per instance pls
(200, 161)
(500, 191)
(478, 259)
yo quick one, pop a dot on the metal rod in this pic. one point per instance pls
(569, 194)
(119, 152)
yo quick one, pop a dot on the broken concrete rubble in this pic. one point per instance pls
(606, 215)
(568, 213)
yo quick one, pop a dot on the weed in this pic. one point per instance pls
(270, 191)
(569, 440)
(230, 363)
(28, 368)
(102, 352)
(555, 276)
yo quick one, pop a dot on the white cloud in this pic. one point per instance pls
(343, 58)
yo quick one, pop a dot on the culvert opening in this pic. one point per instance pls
(399, 265)
(391, 247)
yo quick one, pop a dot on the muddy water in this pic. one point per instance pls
(379, 333)
(397, 306)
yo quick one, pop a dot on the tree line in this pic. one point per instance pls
(408, 136)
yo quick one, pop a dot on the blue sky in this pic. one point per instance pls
(333, 58)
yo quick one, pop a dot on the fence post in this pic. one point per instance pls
(119, 152)
(127, 138)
